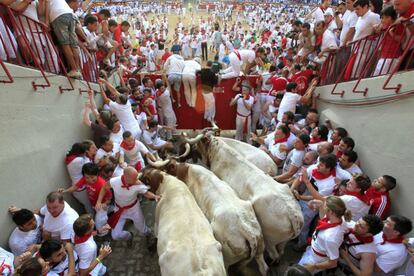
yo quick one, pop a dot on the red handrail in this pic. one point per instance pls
(366, 51)
(9, 76)
(19, 33)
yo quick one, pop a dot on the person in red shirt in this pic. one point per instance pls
(123, 28)
(279, 83)
(94, 184)
(379, 197)
(165, 56)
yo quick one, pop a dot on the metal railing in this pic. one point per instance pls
(372, 56)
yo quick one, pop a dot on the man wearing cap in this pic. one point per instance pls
(189, 80)
(174, 67)
(237, 58)
(244, 106)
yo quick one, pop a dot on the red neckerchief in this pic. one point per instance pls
(324, 224)
(314, 140)
(277, 141)
(360, 196)
(339, 153)
(335, 143)
(158, 93)
(124, 145)
(124, 183)
(322, 8)
(396, 240)
(364, 240)
(70, 158)
(4, 266)
(320, 176)
(79, 240)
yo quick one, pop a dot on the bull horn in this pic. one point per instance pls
(187, 151)
(158, 164)
(215, 126)
(194, 140)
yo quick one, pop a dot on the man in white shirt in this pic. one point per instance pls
(86, 248)
(354, 198)
(347, 23)
(347, 162)
(152, 139)
(28, 232)
(126, 189)
(275, 145)
(58, 218)
(359, 251)
(294, 159)
(328, 42)
(364, 27)
(135, 151)
(249, 58)
(121, 108)
(244, 106)
(391, 252)
(317, 14)
(322, 177)
(174, 67)
(61, 258)
(289, 101)
(189, 80)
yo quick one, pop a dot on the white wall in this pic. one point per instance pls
(384, 133)
(37, 128)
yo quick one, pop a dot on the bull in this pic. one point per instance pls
(186, 244)
(276, 209)
(233, 220)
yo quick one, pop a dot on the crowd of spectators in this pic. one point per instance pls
(285, 45)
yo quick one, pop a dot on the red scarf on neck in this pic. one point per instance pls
(277, 141)
(124, 145)
(396, 240)
(70, 158)
(320, 176)
(158, 93)
(314, 140)
(339, 153)
(324, 224)
(79, 240)
(335, 143)
(124, 183)
(322, 8)
(364, 240)
(360, 196)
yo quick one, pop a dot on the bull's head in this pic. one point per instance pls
(152, 177)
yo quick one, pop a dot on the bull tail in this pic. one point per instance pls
(256, 246)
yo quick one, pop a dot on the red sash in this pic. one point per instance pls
(113, 220)
(319, 253)
(238, 55)
(246, 122)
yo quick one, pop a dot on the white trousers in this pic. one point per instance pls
(190, 89)
(233, 71)
(240, 126)
(135, 214)
(209, 106)
(83, 198)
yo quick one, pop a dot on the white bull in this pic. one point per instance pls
(276, 209)
(233, 220)
(186, 244)
(255, 155)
